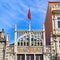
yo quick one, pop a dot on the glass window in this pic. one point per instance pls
(58, 18)
(24, 43)
(59, 44)
(18, 43)
(27, 57)
(21, 43)
(41, 57)
(58, 22)
(30, 57)
(18, 57)
(23, 57)
(38, 57)
(27, 43)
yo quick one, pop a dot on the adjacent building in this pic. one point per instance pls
(52, 28)
(2, 45)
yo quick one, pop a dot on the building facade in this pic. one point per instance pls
(35, 44)
(2, 45)
(28, 44)
(52, 28)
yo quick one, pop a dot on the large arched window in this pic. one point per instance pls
(34, 38)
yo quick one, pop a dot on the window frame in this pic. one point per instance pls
(58, 21)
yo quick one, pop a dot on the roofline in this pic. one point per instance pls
(54, 1)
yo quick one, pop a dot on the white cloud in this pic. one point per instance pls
(16, 9)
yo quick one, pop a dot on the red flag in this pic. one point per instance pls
(29, 14)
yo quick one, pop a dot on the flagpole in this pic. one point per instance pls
(30, 32)
(29, 18)
(29, 25)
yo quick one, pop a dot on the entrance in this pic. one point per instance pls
(29, 57)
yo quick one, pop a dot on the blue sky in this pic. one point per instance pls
(15, 11)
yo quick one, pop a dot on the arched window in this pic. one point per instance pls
(18, 43)
(38, 43)
(41, 43)
(27, 43)
(21, 43)
(24, 43)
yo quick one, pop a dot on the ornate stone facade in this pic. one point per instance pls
(35, 44)
(52, 28)
(2, 45)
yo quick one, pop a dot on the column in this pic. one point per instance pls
(20, 42)
(25, 56)
(15, 43)
(49, 57)
(11, 57)
(44, 43)
(33, 42)
(23, 41)
(57, 48)
(44, 57)
(30, 37)
(30, 33)
(51, 43)
(26, 41)
(36, 42)
(15, 56)
(34, 57)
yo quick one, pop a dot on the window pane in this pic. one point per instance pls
(59, 44)
(37, 56)
(30, 57)
(18, 57)
(58, 24)
(23, 57)
(41, 57)
(58, 18)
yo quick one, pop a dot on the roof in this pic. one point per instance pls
(51, 2)
(54, 1)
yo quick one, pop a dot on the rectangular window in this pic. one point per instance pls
(37, 56)
(18, 57)
(59, 44)
(58, 22)
(41, 56)
(30, 57)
